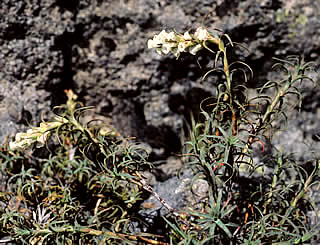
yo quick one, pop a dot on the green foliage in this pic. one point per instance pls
(245, 205)
(75, 182)
(81, 188)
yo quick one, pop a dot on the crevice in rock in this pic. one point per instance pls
(273, 4)
(15, 31)
(64, 44)
(162, 138)
(226, 6)
(106, 47)
(246, 32)
(129, 58)
(70, 5)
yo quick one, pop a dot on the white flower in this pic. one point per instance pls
(29, 132)
(183, 45)
(202, 34)
(164, 42)
(58, 121)
(195, 49)
(161, 37)
(171, 36)
(37, 135)
(152, 44)
(158, 40)
(187, 36)
(43, 138)
(20, 136)
(20, 145)
(166, 48)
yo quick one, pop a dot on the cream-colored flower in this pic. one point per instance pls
(164, 43)
(44, 126)
(152, 44)
(20, 136)
(187, 36)
(161, 37)
(158, 40)
(195, 49)
(21, 145)
(171, 36)
(42, 139)
(202, 34)
(59, 121)
(183, 45)
(166, 48)
(36, 135)
(30, 132)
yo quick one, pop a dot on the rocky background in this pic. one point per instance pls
(98, 49)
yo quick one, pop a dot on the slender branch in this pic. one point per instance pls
(148, 188)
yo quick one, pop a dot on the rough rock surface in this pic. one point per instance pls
(98, 49)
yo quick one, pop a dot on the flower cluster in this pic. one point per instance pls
(38, 135)
(176, 43)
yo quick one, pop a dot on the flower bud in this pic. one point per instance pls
(202, 34)
(151, 44)
(195, 49)
(187, 36)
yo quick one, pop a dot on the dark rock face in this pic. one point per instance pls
(98, 49)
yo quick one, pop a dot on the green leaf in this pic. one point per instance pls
(223, 227)
(175, 228)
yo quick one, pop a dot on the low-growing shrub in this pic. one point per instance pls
(69, 181)
(248, 201)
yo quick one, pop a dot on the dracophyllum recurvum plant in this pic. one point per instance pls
(228, 108)
(176, 43)
(85, 157)
(39, 136)
(116, 162)
(221, 144)
(36, 135)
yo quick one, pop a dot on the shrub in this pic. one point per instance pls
(248, 202)
(70, 181)
(80, 187)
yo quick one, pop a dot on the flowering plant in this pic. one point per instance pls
(87, 188)
(177, 43)
(221, 149)
(82, 187)
(36, 135)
